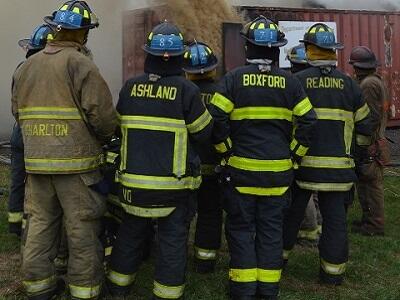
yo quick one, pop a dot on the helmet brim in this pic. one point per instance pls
(336, 46)
(298, 61)
(201, 70)
(49, 20)
(281, 43)
(148, 50)
(24, 43)
(365, 65)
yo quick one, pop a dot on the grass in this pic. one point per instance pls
(373, 270)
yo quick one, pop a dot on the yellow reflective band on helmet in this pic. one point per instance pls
(62, 165)
(37, 286)
(86, 14)
(148, 212)
(49, 113)
(302, 107)
(83, 292)
(327, 162)
(224, 146)
(269, 276)
(121, 279)
(205, 254)
(64, 7)
(76, 10)
(311, 235)
(361, 113)
(285, 254)
(261, 113)
(222, 103)
(325, 187)
(49, 37)
(261, 26)
(302, 150)
(334, 114)
(111, 157)
(333, 269)
(253, 25)
(200, 123)
(275, 191)
(168, 292)
(158, 182)
(15, 217)
(243, 275)
(207, 169)
(249, 164)
(151, 34)
(363, 140)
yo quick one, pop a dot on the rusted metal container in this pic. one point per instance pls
(379, 31)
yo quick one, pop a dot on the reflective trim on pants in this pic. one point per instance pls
(311, 235)
(83, 292)
(148, 212)
(120, 279)
(205, 254)
(15, 217)
(269, 276)
(168, 292)
(38, 286)
(159, 182)
(243, 275)
(333, 269)
(260, 165)
(325, 187)
(274, 191)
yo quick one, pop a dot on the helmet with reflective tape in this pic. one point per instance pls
(322, 36)
(38, 39)
(297, 55)
(165, 40)
(199, 59)
(362, 57)
(263, 32)
(73, 15)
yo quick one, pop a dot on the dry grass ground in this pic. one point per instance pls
(373, 270)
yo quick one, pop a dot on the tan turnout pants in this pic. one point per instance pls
(49, 200)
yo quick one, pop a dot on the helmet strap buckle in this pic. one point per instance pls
(166, 56)
(58, 28)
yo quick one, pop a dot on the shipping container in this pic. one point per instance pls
(378, 30)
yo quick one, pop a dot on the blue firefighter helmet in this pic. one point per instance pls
(322, 36)
(38, 39)
(199, 59)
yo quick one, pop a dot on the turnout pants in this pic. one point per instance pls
(209, 223)
(17, 186)
(254, 234)
(333, 243)
(371, 196)
(50, 199)
(170, 268)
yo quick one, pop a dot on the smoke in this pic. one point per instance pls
(355, 4)
(202, 19)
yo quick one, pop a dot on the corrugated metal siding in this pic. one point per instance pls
(378, 30)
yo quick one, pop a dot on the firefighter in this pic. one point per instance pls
(31, 46)
(328, 167)
(254, 117)
(65, 110)
(160, 114)
(311, 225)
(370, 184)
(201, 68)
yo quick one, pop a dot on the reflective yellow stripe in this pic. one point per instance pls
(302, 150)
(361, 113)
(207, 169)
(302, 107)
(108, 251)
(327, 162)
(111, 157)
(15, 217)
(275, 191)
(261, 113)
(62, 165)
(82, 292)
(269, 276)
(23, 223)
(224, 146)
(293, 144)
(249, 164)
(308, 234)
(243, 275)
(363, 140)
(168, 292)
(286, 254)
(86, 14)
(334, 114)
(158, 212)
(159, 183)
(53, 113)
(205, 254)
(120, 279)
(333, 269)
(325, 187)
(37, 286)
(200, 123)
(159, 124)
(222, 103)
